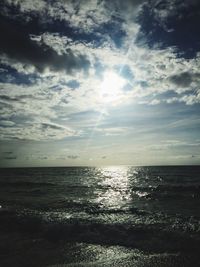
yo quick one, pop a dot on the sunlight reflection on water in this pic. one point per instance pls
(116, 193)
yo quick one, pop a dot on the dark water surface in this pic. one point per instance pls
(109, 216)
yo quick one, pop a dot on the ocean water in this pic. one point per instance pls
(100, 216)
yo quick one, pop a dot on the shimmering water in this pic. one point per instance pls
(126, 215)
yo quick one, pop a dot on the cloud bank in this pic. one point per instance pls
(55, 55)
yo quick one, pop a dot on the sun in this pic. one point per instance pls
(111, 87)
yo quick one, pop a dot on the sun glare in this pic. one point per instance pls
(110, 88)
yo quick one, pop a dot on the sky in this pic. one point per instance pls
(98, 82)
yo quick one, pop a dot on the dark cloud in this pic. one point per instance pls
(17, 45)
(73, 84)
(11, 99)
(8, 98)
(72, 22)
(11, 75)
(10, 158)
(182, 80)
(42, 157)
(72, 157)
(171, 24)
(51, 126)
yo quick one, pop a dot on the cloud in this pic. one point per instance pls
(72, 157)
(42, 157)
(51, 43)
(174, 144)
(188, 80)
(46, 126)
(10, 158)
(73, 84)
(17, 44)
(93, 21)
(37, 132)
(114, 131)
(126, 9)
(190, 99)
(28, 5)
(151, 74)
(182, 80)
(4, 123)
(171, 24)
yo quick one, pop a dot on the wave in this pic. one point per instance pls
(167, 191)
(155, 237)
(167, 187)
(26, 184)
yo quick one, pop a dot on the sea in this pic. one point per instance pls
(100, 216)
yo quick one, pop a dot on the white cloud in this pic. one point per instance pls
(50, 100)
(28, 5)
(37, 132)
(114, 131)
(159, 69)
(4, 123)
